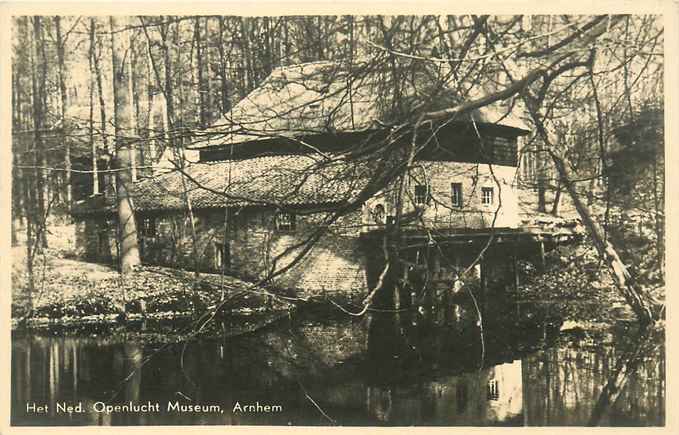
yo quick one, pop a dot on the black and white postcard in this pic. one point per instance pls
(324, 215)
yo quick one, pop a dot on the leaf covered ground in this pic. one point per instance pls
(67, 289)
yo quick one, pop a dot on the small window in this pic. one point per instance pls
(421, 194)
(379, 214)
(234, 220)
(148, 226)
(493, 390)
(456, 194)
(222, 256)
(487, 196)
(103, 248)
(285, 222)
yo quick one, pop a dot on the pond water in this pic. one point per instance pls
(383, 369)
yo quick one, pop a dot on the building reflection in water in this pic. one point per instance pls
(505, 393)
(356, 376)
(489, 397)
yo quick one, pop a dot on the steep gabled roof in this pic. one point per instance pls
(321, 97)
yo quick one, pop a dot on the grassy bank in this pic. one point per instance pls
(69, 291)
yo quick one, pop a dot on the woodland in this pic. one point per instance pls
(132, 90)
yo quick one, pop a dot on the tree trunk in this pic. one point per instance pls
(168, 88)
(93, 147)
(207, 76)
(319, 41)
(129, 246)
(39, 98)
(134, 118)
(179, 157)
(557, 200)
(268, 52)
(108, 178)
(658, 206)
(624, 369)
(541, 179)
(64, 103)
(286, 42)
(100, 88)
(226, 104)
(245, 51)
(200, 69)
(16, 172)
(624, 280)
(151, 131)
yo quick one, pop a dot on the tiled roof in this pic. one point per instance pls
(282, 180)
(320, 97)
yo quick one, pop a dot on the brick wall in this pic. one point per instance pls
(335, 265)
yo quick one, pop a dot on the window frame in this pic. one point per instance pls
(222, 259)
(424, 196)
(379, 214)
(456, 195)
(491, 194)
(285, 227)
(148, 226)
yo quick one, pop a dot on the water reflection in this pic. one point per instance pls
(386, 370)
(624, 380)
(566, 385)
(492, 396)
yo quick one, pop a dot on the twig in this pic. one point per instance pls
(480, 324)
(313, 402)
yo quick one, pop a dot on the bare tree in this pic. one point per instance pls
(63, 78)
(423, 72)
(92, 84)
(129, 245)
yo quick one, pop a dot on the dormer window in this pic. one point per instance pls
(487, 195)
(421, 194)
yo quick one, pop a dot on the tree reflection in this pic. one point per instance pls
(388, 371)
(604, 377)
(639, 348)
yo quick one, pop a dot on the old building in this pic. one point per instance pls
(294, 157)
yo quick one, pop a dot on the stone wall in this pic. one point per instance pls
(335, 265)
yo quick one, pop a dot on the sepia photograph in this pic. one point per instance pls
(336, 220)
